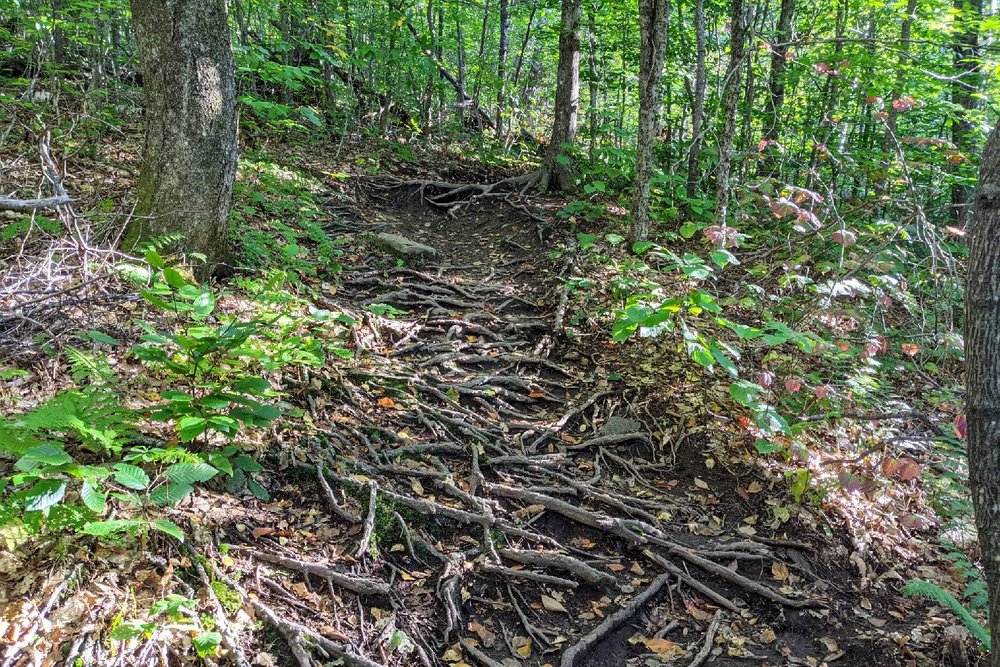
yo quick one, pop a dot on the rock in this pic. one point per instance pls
(620, 426)
(404, 247)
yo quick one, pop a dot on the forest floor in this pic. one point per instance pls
(472, 486)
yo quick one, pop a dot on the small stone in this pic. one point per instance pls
(404, 247)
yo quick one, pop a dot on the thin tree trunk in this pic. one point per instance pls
(502, 65)
(653, 16)
(477, 89)
(592, 81)
(698, 107)
(901, 69)
(189, 157)
(730, 101)
(556, 171)
(982, 365)
(963, 94)
(776, 85)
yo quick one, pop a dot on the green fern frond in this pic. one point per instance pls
(920, 588)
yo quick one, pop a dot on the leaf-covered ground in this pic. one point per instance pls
(463, 482)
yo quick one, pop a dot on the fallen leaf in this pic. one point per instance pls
(386, 402)
(779, 571)
(522, 646)
(830, 643)
(453, 654)
(700, 483)
(663, 647)
(615, 567)
(552, 604)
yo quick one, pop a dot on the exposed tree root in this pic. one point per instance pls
(613, 622)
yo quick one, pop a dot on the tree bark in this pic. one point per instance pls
(963, 95)
(653, 16)
(555, 170)
(776, 84)
(901, 70)
(189, 155)
(502, 65)
(698, 106)
(592, 80)
(730, 101)
(982, 364)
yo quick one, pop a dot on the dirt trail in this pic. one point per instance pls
(493, 497)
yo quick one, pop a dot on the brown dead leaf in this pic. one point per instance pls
(552, 604)
(779, 571)
(616, 567)
(522, 646)
(664, 648)
(386, 402)
(697, 613)
(700, 483)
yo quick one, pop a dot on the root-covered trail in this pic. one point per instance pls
(483, 495)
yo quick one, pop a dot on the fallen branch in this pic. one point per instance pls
(706, 648)
(26, 205)
(360, 585)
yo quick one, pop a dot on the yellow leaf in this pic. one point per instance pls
(522, 646)
(453, 654)
(779, 571)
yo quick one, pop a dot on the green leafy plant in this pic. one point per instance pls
(921, 588)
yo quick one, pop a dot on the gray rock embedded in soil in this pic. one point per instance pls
(620, 426)
(404, 247)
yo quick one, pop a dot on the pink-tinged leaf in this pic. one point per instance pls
(913, 522)
(793, 384)
(910, 349)
(885, 301)
(870, 349)
(909, 470)
(849, 481)
(961, 426)
(822, 391)
(891, 466)
(844, 237)
(765, 379)
(904, 103)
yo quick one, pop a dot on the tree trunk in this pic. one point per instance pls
(502, 65)
(653, 15)
(698, 107)
(776, 84)
(189, 155)
(963, 95)
(555, 170)
(592, 81)
(730, 100)
(902, 67)
(982, 364)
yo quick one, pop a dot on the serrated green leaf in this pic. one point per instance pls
(44, 494)
(257, 490)
(206, 643)
(168, 527)
(170, 494)
(190, 473)
(93, 499)
(131, 477)
(105, 528)
(247, 464)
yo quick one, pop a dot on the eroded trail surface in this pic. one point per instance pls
(477, 492)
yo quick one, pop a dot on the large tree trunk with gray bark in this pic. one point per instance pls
(556, 172)
(653, 16)
(189, 156)
(982, 359)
